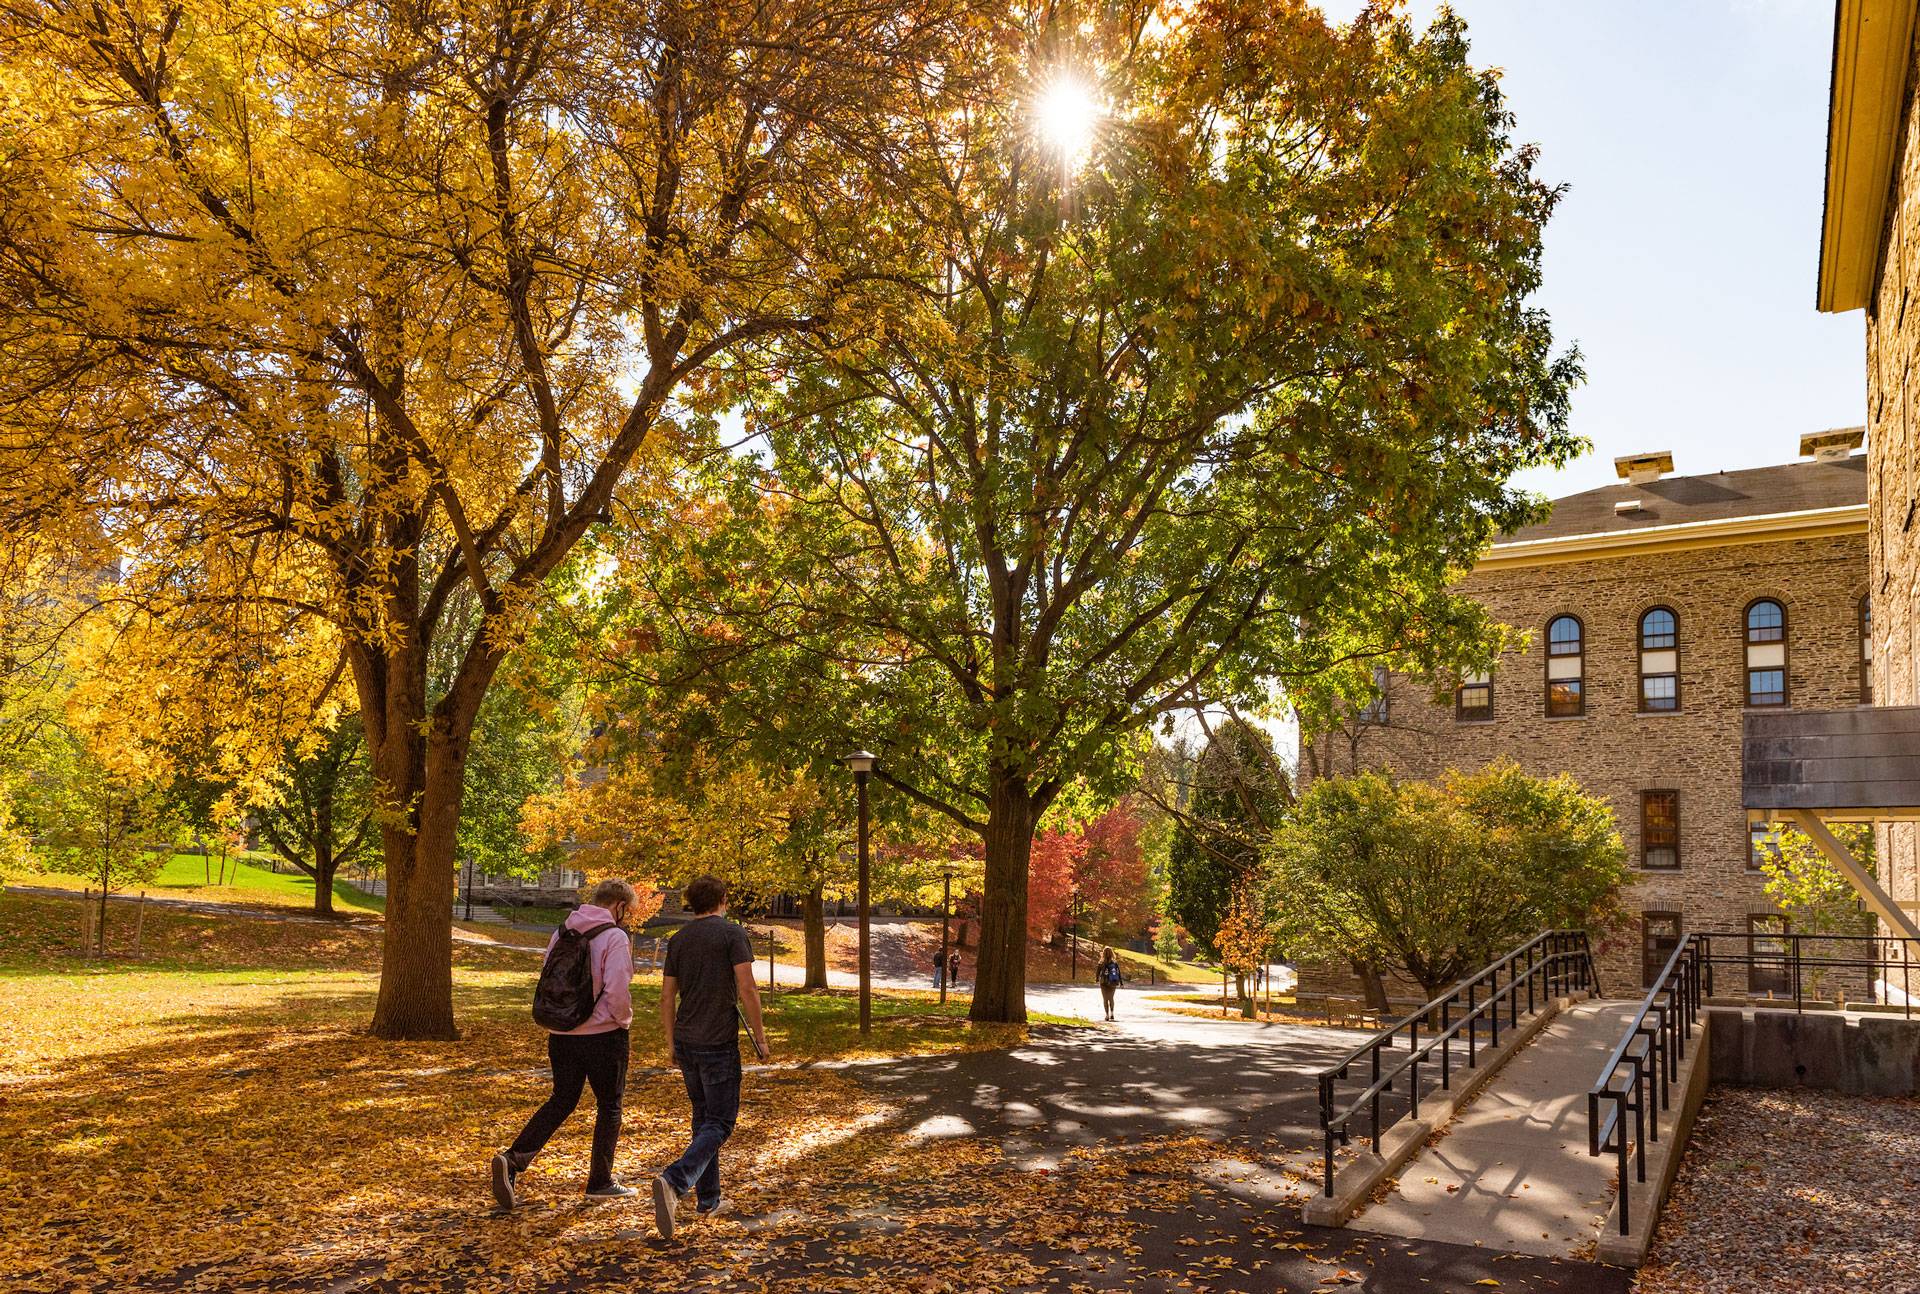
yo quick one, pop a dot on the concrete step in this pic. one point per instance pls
(1512, 1171)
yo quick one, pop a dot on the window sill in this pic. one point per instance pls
(1658, 714)
(1563, 718)
(1473, 723)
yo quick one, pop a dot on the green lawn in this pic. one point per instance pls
(185, 876)
(533, 914)
(1136, 965)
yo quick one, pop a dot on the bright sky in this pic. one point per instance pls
(1692, 134)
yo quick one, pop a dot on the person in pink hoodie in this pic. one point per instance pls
(593, 1054)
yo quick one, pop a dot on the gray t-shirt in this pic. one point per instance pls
(700, 959)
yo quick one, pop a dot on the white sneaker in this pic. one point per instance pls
(665, 1201)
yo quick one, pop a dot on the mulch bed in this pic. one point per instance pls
(1793, 1190)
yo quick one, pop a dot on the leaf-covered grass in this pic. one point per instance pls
(218, 1102)
(185, 876)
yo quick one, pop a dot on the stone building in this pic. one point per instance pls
(1658, 611)
(1870, 260)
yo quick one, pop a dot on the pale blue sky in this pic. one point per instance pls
(1692, 134)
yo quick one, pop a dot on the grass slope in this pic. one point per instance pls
(184, 876)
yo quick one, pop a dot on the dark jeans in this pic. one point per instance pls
(577, 1059)
(712, 1075)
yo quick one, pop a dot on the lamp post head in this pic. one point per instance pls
(861, 762)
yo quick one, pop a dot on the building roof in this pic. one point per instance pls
(1720, 496)
(1872, 44)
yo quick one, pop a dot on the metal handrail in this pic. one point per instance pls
(1549, 963)
(1640, 1073)
(1652, 1048)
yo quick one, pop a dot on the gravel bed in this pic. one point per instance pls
(1793, 1190)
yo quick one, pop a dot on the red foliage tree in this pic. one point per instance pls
(1104, 862)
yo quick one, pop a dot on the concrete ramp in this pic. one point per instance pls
(1511, 1171)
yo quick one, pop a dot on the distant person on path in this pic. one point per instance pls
(585, 1002)
(707, 988)
(953, 971)
(1109, 977)
(939, 971)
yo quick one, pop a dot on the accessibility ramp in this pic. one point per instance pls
(1511, 1170)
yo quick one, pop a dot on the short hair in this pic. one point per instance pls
(611, 891)
(705, 893)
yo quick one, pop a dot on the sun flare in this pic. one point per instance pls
(1067, 115)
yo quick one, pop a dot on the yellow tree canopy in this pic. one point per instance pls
(358, 312)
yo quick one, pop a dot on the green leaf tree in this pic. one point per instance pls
(1225, 807)
(1815, 898)
(99, 821)
(1153, 425)
(319, 813)
(1435, 879)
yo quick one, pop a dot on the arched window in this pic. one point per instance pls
(1659, 660)
(1766, 653)
(1566, 667)
(1866, 651)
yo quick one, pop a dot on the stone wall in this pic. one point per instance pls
(1893, 486)
(1616, 750)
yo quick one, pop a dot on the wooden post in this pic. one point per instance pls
(769, 956)
(139, 922)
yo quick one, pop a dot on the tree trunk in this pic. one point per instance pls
(323, 869)
(1374, 986)
(419, 763)
(1246, 998)
(813, 920)
(1000, 973)
(101, 933)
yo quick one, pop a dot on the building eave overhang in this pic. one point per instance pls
(1871, 44)
(1813, 523)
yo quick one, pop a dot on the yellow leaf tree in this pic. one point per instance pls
(329, 319)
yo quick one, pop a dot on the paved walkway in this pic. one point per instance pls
(1512, 1171)
(1246, 1088)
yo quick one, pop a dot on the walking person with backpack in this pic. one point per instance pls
(706, 992)
(584, 1001)
(1109, 979)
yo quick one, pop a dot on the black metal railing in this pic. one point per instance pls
(1548, 966)
(1638, 1077)
(1797, 966)
(1639, 1074)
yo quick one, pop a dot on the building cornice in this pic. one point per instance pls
(1872, 40)
(1813, 523)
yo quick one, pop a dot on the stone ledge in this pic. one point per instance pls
(1354, 1184)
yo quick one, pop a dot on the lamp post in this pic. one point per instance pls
(469, 871)
(1074, 935)
(860, 763)
(946, 915)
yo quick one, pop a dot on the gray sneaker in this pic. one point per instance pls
(611, 1191)
(665, 1201)
(503, 1174)
(715, 1209)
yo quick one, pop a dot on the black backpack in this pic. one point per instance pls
(564, 998)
